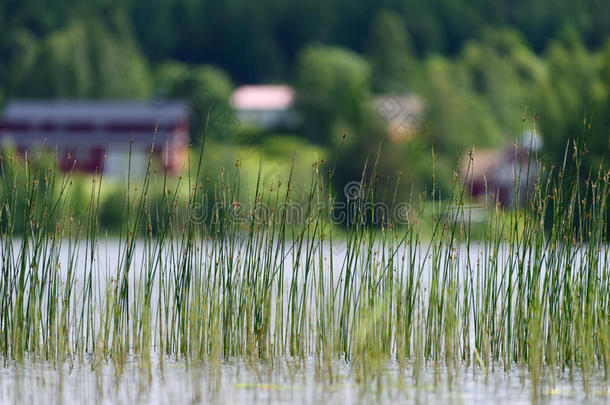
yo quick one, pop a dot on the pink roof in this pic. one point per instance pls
(263, 97)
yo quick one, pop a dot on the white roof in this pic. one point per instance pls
(263, 97)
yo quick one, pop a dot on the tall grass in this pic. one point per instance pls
(217, 272)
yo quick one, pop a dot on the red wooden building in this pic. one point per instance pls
(499, 173)
(89, 135)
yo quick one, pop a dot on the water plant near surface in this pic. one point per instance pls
(216, 270)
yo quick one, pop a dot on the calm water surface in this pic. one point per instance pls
(173, 381)
(279, 382)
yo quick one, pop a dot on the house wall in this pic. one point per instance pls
(268, 119)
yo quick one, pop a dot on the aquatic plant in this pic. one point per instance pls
(208, 271)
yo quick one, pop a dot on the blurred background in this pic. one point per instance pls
(333, 80)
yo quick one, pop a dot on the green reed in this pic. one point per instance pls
(209, 267)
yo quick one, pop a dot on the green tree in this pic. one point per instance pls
(120, 69)
(390, 53)
(333, 89)
(82, 60)
(599, 139)
(456, 117)
(207, 90)
(569, 95)
(502, 70)
(58, 66)
(334, 97)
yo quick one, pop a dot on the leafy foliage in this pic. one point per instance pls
(480, 67)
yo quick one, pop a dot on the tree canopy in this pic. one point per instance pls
(483, 69)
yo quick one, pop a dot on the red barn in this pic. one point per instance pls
(87, 135)
(501, 172)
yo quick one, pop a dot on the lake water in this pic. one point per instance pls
(278, 381)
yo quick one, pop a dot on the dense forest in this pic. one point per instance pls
(485, 69)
